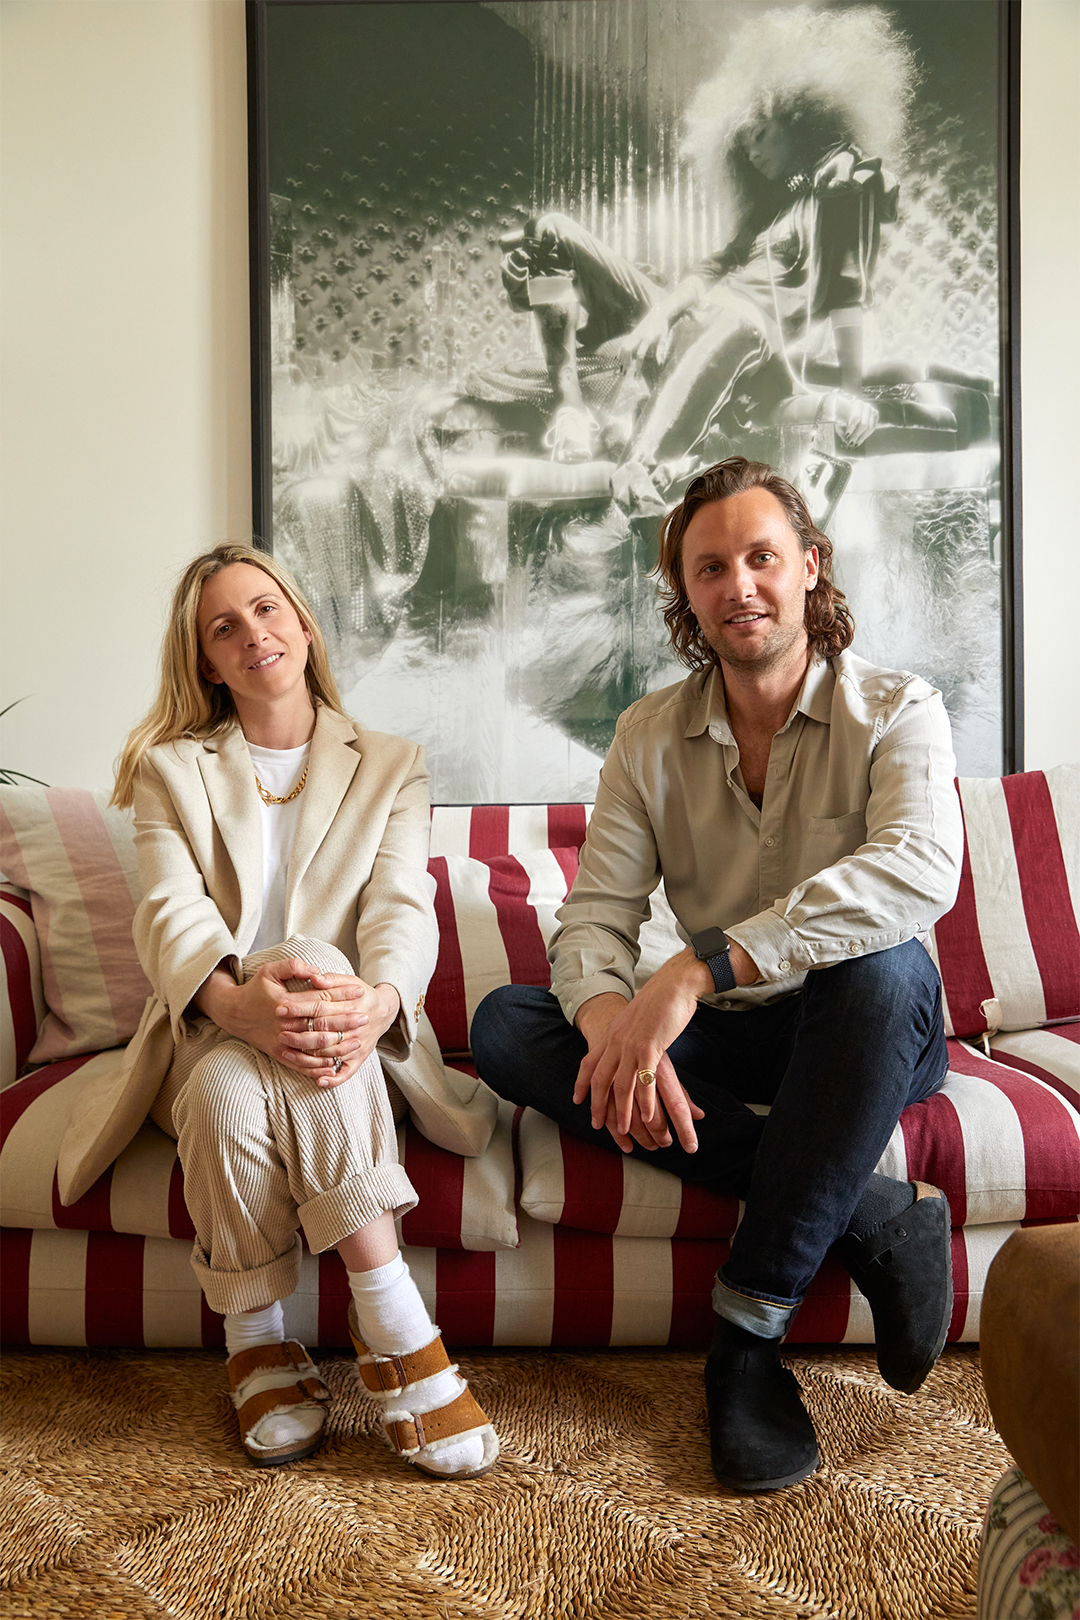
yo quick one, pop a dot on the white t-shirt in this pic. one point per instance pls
(278, 769)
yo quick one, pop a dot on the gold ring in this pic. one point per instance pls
(311, 1026)
(646, 1077)
(340, 1037)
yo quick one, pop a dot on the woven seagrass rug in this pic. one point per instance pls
(126, 1494)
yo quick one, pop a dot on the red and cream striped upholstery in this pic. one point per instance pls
(1004, 1146)
(464, 1203)
(560, 1287)
(611, 1251)
(1009, 950)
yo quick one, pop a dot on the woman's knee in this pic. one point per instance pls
(316, 953)
(221, 1095)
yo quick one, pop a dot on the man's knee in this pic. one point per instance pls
(901, 979)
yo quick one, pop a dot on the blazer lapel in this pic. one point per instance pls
(230, 787)
(332, 766)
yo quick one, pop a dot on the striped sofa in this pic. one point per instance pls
(541, 1239)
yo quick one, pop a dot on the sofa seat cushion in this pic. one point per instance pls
(1051, 1055)
(464, 1203)
(560, 1287)
(1009, 950)
(1002, 1144)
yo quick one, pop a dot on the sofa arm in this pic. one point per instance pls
(23, 1005)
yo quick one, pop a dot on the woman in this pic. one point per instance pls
(287, 929)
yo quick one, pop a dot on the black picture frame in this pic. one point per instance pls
(1008, 23)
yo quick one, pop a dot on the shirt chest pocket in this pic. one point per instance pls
(830, 838)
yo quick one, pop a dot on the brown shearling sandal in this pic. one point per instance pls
(392, 1381)
(267, 1380)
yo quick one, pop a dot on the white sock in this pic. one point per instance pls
(393, 1321)
(247, 1330)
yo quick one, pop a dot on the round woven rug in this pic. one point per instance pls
(126, 1494)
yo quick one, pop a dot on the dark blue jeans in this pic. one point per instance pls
(837, 1061)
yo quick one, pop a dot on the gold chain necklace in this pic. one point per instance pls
(272, 798)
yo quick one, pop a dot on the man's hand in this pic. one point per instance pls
(346, 1016)
(627, 1036)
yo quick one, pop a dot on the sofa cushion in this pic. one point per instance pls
(1002, 1144)
(1009, 950)
(76, 859)
(1051, 1055)
(496, 915)
(464, 1203)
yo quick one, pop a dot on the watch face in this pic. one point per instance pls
(710, 942)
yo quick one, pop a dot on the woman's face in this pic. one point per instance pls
(251, 638)
(770, 147)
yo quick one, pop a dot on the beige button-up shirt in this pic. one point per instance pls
(857, 845)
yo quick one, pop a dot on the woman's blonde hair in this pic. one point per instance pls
(187, 704)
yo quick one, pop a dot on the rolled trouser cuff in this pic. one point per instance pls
(768, 1318)
(230, 1291)
(331, 1216)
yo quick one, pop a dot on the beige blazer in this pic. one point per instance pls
(357, 879)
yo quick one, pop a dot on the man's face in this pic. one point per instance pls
(746, 576)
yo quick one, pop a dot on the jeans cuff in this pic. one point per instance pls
(764, 1317)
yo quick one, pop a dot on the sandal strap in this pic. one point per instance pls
(459, 1416)
(271, 1358)
(256, 1407)
(386, 1375)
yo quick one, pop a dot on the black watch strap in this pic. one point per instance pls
(713, 946)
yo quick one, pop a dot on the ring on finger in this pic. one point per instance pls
(337, 1065)
(646, 1077)
(340, 1037)
(311, 1026)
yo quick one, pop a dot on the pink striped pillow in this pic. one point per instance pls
(496, 916)
(1002, 1145)
(76, 857)
(1009, 951)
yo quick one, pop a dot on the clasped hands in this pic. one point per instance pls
(323, 1032)
(628, 1037)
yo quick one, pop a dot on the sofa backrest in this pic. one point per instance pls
(1009, 952)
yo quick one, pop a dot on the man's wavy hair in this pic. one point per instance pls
(828, 620)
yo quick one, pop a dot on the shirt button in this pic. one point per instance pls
(854, 948)
(725, 1006)
(769, 842)
(784, 965)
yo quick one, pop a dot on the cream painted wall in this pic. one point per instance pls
(125, 369)
(124, 322)
(1050, 375)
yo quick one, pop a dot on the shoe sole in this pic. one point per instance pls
(290, 1457)
(745, 1487)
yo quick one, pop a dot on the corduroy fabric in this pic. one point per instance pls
(265, 1151)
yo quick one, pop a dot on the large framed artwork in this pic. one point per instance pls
(521, 268)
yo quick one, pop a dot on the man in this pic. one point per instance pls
(798, 804)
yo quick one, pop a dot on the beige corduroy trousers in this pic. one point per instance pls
(266, 1151)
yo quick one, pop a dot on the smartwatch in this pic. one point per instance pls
(713, 946)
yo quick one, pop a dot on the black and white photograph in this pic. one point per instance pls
(528, 266)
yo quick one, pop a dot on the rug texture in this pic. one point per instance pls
(126, 1494)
